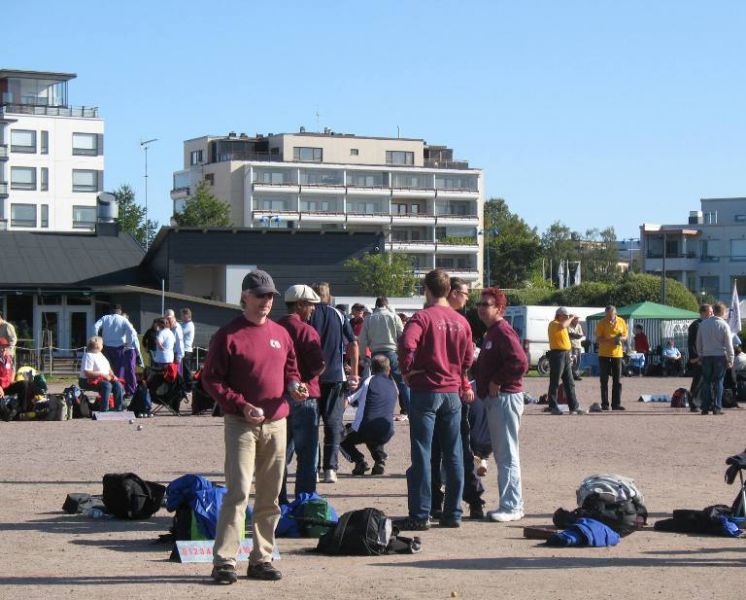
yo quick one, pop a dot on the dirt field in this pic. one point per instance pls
(677, 459)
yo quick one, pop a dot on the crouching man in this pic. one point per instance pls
(250, 366)
(374, 420)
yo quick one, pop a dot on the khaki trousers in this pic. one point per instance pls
(250, 451)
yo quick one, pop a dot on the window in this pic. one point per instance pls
(709, 251)
(740, 218)
(278, 205)
(22, 178)
(195, 158)
(354, 152)
(414, 209)
(398, 157)
(23, 140)
(417, 181)
(86, 144)
(710, 285)
(273, 176)
(45, 142)
(314, 205)
(740, 282)
(711, 217)
(369, 179)
(304, 154)
(84, 217)
(23, 215)
(86, 180)
(44, 179)
(210, 178)
(45, 215)
(321, 177)
(738, 250)
(456, 182)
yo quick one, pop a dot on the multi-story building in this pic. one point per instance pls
(707, 255)
(428, 205)
(51, 154)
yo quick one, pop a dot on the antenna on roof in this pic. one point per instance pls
(318, 120)
(397, 132)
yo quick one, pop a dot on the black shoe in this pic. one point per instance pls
(604, 407)
(705, 412)
(378, 469)
(225, 574)
(264, 571)
(618, 408)
(450, 523)
(360, 468)
(578, 378)
(476, 511)
(410, 524)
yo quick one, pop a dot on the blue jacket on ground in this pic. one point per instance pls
(585, 532)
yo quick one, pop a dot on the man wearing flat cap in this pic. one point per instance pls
(560, 363)
(250, 370)
(303, 423)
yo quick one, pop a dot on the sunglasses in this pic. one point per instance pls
(484, 304)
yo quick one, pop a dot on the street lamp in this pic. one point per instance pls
(144, 145)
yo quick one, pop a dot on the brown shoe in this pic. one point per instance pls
(264, 571)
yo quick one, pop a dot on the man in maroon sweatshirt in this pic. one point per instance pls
(250, 367)
(435, 351)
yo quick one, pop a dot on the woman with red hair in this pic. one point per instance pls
(499, 375)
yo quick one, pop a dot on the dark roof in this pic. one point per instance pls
(31, 258)
(56, 76)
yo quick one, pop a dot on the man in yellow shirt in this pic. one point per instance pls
(611, 334)
(560, 363)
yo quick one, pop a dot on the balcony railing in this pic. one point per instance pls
(3, 151)
(3, 189)
(432, 163)
(84, 112)
(658, 255)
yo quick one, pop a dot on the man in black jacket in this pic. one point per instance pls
(705, 312)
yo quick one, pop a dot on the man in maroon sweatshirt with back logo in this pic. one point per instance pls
(435, 351)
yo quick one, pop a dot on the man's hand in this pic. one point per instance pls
(300, 393)
(468, 396)
(494, 389)
(250, 418)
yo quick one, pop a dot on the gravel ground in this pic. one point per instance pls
(677, 459)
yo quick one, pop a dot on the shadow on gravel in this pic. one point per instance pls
(127, 545)
(570, 562)
(102, 580)
(78, 524)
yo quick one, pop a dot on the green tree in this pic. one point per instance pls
(559, 243)
(599, 255)
(640, 287)
(383, 274)
(204, 209)
(513, 247)
(132, 216)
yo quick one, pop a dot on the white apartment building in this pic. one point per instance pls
(51, 154)
(707, 254)
(429, 206)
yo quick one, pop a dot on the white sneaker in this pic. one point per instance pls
(330, 476)
(481, 466)
(503, 516)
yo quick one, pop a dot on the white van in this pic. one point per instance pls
(531, 323)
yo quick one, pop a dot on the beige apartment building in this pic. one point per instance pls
(428, 205)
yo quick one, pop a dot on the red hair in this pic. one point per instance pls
(497, 295)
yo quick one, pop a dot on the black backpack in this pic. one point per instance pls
(126, 496)
(623, 516)
(364, 532)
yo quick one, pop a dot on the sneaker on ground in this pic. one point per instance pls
(225, 574)
(360, 468)
(410, 524)
(401, 418)
(330, 476)
(449, 523)
(476, 511)
(556, 411)
(577, 411)
(503, 516)
(264, 571)
(482, 467)
(618, 408)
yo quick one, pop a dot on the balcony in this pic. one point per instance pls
(321, 216)
(413, 219)
(411, 246)
(369, 218)
(443, 219)
(433, 163)
(3, 189)
(412, 193)
(320, 188)
(81, 112)
(457, 246)
(3, 151)
(368, 191)
(688, 262)
(180, 193)
(453, 194)
(281, 188)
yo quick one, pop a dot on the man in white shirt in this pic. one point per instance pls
(187, 328)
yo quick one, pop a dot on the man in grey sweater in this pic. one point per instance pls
(715, 351)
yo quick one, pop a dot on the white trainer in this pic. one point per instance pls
(503, 516)
(330, 476)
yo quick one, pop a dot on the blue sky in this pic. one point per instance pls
(593, 113)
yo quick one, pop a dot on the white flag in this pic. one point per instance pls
(561, 275)
(734, 316)
(577, 275)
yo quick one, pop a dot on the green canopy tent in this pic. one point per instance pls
(660, 323)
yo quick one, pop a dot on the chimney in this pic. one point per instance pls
(107, 214)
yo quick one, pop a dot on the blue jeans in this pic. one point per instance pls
(439, 414)
(397, 377)
(504, 419)
(713, 373)
(105, 389)
(303, 438)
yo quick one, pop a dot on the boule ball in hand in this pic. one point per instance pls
(257, 412)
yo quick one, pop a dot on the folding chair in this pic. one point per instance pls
(164, 393)
(737, 464)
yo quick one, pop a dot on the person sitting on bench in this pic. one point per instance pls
(671, 359)
(96, 375)
(374, 421)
